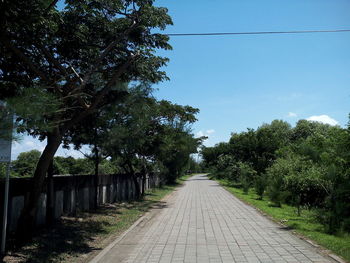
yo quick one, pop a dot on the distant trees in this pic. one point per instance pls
(70, 165)
(307, 166)
(26, 163)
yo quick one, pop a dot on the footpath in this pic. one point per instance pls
(201, 222)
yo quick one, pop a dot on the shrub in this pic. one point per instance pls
(276, 173)
(246, 175)
(306, 185)
(260, 184)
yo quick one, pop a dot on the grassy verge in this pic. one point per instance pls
(74, 239)
(305, 224)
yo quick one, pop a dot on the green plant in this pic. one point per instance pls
(260, 184)
(247, 174)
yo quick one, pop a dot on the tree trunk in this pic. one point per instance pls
(134, 178)
(143, 177)
(137, 186)
(27, 219)
(143, 184)
(97, 162)
(50, 196)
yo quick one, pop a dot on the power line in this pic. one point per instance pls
(258, 33)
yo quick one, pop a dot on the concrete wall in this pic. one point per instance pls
(71, 193)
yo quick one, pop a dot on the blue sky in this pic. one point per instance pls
(244, 81)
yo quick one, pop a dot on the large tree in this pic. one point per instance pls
(151, 131)
(72, 62)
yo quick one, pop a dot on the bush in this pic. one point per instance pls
(247, 174)
(335, 212)
(276, 190)
(306, 186)
(260, 184)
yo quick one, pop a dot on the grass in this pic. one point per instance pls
(305, 224)
(76, 239)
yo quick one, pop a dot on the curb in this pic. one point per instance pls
(116, 241)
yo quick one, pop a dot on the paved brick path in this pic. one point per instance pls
(202, 223)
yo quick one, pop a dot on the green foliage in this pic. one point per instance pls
(193, 166)
(58, 62)
(246, 176)
(26, 163)
(147, 134)
(211, 154)
(175, 153)
(109, 167)
(276, 190)
(307, 166)
(302, 181)
(66, 74)
(2, 170)
(260, 184)
(70, 165)
(225, 167)
(62, 67)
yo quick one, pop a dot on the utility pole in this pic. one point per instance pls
(5, 157)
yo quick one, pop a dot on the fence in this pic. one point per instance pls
(71, 193)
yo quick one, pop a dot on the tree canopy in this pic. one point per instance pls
(61, 66)
(307, 166)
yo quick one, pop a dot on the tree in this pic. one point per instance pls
(210, 154)
(194, 166)
(175, 152)
(75, 59)
(151, 131)
(246, 175)
(260, 184)
(26, 163)
(71, 165)
(226, 167)
(271, 137)
(244, 147)
(305, 166)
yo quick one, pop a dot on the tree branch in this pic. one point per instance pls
(104, 53)
(85, 155)
(50, 58)
(99, 96)
(52, 4)
(7, 43)
(112, 81)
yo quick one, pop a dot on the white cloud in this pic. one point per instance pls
(208, 133)
(28, 143)
(205, 133)
(323, 119)
(200, 134)
(211, 131)
(292, 115)
(25, 144)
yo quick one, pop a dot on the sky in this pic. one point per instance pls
(244, 81)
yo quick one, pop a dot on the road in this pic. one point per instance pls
(201, 222)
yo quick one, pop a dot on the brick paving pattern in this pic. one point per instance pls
(202, 223)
